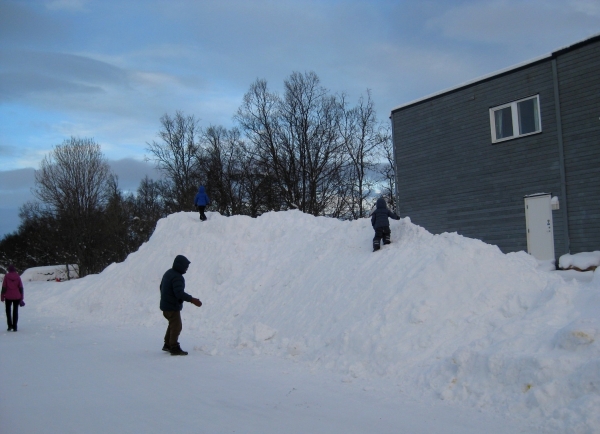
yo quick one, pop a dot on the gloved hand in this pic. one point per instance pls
(22, 303)
(196, 302)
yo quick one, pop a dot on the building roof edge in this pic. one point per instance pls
(500, 72)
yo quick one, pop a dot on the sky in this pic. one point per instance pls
(110, 69)
(303, 329)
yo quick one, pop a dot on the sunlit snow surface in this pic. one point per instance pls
(442, 317)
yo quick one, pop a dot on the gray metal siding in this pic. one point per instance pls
(451, 178)
(579, 84)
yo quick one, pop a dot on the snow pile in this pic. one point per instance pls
(50, 273)
(580, 261)
(439, 315)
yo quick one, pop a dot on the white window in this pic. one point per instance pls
(516, 119)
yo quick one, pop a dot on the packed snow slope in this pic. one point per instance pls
(442, 316)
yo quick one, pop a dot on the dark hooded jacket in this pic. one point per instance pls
(172, 286)
(201, 197)
(379, 217)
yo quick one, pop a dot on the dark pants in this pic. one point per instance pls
(380, 233)
(174, 328)
(201, 209)
(12, 322)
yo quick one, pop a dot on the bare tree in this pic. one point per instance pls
(259, 188)
(258, 118)
(119, 238)
(73, 178)
(362, 140)
(296, 141)
(386, 168)
(148, 207)
(310, 118)
(176, 156)
(111, 231)
(221, 161)
(74, 182)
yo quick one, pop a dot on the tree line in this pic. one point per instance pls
(305, 149)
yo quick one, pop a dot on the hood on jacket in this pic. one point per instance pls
(181, 264)
(12, 276)
(381, 203)
(201, 189)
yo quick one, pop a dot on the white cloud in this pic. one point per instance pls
(32, 157)
(68, 129)
(154, 79)
(115, 76)
(399, 73)
(522, 25)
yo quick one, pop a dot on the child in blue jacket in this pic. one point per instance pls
(201, 201)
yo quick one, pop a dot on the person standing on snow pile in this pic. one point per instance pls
(12, 294)
(172, 296)
(201, 201)
(381, 223)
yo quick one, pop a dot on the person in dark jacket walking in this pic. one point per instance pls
(381, 223)
(12, 295)
(201, 201)
(172, 296)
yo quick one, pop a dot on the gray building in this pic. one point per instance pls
(512, 159)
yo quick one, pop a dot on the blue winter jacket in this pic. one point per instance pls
(379, 217)
(172, 286)
(201, 197)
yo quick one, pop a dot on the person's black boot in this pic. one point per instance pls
(166, 347)
(177, 351)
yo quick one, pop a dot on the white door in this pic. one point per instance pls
(540, 232)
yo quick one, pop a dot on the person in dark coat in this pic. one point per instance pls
(12, 295)
(381, 223)
(172, 296)
(201, 201)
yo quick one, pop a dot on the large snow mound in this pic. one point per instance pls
(439, 315)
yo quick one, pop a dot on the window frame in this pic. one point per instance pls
(515, 119)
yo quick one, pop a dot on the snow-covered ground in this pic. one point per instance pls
(99, 379)
(304, 329)
(50, 273)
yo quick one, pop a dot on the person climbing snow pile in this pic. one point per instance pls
(381, 223)
(201, 201)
